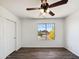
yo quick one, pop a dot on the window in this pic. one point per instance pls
(46, 31)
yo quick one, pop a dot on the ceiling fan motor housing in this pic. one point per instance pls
(43, 1)
(44, 6)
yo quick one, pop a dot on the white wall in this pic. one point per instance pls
(29, 33)
(5, 14)
(72, 33)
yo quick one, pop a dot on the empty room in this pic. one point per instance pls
(39, 29)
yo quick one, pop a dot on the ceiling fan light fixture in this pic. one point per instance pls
(43, 13)
(42, 10)
(47, 11)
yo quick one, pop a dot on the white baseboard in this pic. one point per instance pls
(76, 53)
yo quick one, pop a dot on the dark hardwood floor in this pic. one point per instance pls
(42, 53)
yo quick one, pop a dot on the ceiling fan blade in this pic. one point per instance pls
(58, 3)
(32, 8)
(51, 13)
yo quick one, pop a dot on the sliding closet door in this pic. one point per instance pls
(9, 36)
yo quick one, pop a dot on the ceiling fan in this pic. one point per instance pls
(44, 6)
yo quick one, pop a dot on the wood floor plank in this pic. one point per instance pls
(42, 53)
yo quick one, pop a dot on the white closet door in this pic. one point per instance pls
(9, 36)
(2, 51)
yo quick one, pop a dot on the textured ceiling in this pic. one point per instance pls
(18, 7)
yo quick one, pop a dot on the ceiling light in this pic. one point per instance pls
(44, 13)
(42, 10)
(47, 11)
